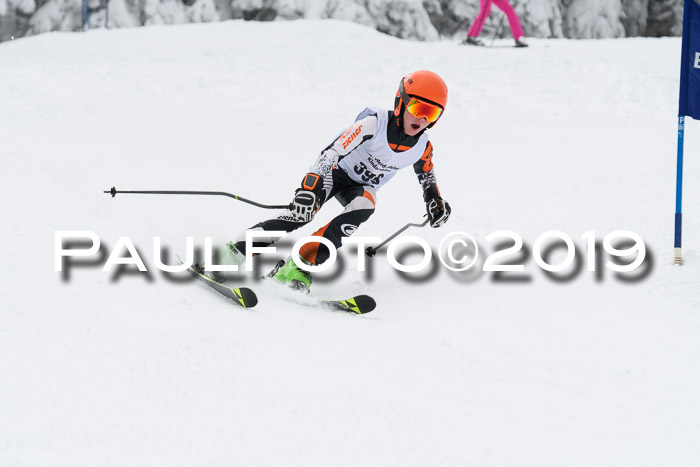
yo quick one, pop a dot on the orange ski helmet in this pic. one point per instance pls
(422, 87)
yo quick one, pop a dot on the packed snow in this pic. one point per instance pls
(451, 369)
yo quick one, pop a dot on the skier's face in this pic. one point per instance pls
(412, 125)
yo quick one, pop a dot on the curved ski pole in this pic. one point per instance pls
(371, 251)
(114, 193)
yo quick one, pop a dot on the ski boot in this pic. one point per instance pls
(521, 42)
(231, 256)
(292, 275)
(473, 41)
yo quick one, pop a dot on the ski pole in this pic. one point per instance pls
(114, 193)
(373, 251)
(498, 29)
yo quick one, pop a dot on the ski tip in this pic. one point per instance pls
(247, 299)
(365, 304)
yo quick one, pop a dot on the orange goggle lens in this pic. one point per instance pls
(420, 109)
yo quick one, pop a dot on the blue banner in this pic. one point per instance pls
(689, 102)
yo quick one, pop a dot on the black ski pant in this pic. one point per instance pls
(357, 200)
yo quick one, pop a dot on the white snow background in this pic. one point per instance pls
(451, 370)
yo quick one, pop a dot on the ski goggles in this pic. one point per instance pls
(420, 109)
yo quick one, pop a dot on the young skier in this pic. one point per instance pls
(353, 167)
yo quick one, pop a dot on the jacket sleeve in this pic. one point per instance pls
(424, 169)
(362, 130)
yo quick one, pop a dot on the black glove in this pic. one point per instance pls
(438, 209)
(307, 199)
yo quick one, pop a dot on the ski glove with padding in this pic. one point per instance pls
(438, 209)
(307, 199)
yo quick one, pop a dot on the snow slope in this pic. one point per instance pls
(451, 369)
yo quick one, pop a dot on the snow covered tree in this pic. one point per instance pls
(594, 19)
(665, 18)
(408, 19)
(635, 16)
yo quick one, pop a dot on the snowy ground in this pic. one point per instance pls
(451, 369)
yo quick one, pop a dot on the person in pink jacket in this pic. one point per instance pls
(478, 24)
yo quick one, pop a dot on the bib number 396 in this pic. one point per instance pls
(366, 175)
